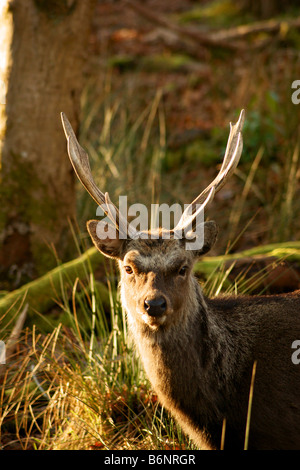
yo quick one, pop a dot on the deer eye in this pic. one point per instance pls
(182, 271)
(128, 269)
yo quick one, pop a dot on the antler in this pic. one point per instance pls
(81, 165)
(231, 158)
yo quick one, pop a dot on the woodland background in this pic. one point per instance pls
(150, 89)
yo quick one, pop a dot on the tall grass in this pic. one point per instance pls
(127, 148)
(81, 386)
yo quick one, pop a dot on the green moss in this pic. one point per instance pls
(153, 63)
(216, 13)
(42, 294)
(15, 193)
(122, 62)
(165, 62)
(25, 199)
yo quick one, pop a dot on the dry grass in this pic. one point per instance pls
(75, 389)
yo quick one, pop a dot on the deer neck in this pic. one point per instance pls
(192, 346)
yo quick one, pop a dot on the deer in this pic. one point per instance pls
(200, 353)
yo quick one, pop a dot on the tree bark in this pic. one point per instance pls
(43, 53)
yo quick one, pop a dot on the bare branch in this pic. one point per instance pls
(206, 40)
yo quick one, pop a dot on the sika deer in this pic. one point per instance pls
(199, 352)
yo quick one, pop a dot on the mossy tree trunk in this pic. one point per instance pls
(44, 47)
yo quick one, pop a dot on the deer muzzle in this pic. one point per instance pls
(155, 307)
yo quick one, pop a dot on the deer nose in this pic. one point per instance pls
(155, 307)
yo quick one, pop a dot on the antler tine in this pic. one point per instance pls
(230, 161)
(231, 158)
(80, 162)
(81, 165)
(235, 130)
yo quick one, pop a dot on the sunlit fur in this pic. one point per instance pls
(199, 353)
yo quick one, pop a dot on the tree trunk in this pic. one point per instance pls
(43, 52)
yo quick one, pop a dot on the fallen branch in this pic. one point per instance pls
(225, 38)
(275, 267)
(280, 261)
(42, 294)
(243, 31)
(188, 33)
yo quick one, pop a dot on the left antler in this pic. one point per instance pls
(81, 165)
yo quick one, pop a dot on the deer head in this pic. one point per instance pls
(156, 267)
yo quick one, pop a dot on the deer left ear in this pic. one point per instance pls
(202, 240)
(106, 238)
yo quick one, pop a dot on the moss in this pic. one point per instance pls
(44, 255)
(42, 294)
(22, 177)
(26, 201)
(122, 62)
(165, 62)
(216, 13)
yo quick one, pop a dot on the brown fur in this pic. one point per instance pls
(199, 352)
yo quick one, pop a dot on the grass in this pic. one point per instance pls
(80, 385)
(126, 150)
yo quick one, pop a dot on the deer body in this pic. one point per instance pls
(199, 353)
(200, 361)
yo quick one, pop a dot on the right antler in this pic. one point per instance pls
(81, 165)
(231, 158)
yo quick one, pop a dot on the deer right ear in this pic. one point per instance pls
(105, 238)
(204, 240)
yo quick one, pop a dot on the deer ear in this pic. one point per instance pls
(202, 240)
(106, 238)
(211, 231)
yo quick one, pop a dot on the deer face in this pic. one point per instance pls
(155, 273)
(154, 276)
